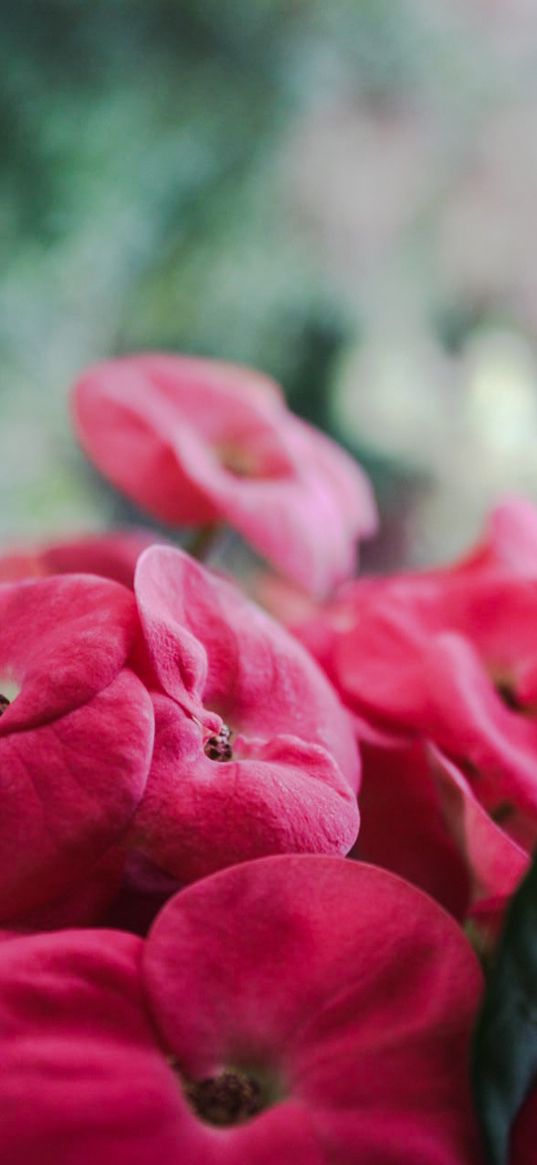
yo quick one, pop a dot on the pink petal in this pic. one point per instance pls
(62, 639)
(75, 743)
(218, 655)
(282, 796)
(83, 1079)
(70, 788)
(403, 827)
(468, 721)
(510, 540)
(112, 555)
(283, 963)
(496, 863)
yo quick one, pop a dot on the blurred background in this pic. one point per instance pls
(341, 193)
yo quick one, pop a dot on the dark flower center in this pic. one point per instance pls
(227, 1099)
(259, 460)
(507, 693)
(502, 812)
(4, 703)
(218, 747)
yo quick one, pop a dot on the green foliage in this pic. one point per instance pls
(149, 197)
(505, 1049)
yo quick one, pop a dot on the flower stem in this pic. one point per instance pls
(204, 541)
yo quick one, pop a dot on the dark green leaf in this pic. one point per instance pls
(505, 1047)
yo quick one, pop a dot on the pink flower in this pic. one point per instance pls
(196, 441)
(448, 658)
(253, 752)
(301, 1009)
(112, 555)
(75, 740)
(508, 546)
(495, 843)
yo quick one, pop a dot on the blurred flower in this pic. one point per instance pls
(292, 1009)
(447, 658)
(112, 555)
(196, 442)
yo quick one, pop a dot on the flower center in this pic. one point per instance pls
(238, 460)
(218, 747)
(258, 458)
(507, 694)
(4, 703)
(501, 812)
(227, 1099)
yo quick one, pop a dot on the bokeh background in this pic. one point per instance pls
(342, 193)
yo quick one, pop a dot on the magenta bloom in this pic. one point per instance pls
(447, 658)
(76, 735)
(254, 753)
(196, 441)
(295, 1009)
(112, 555)
(455, 663)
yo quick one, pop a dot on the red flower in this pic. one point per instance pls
(298, 1009)
(253, 752)
(75, 743)
(197, 441)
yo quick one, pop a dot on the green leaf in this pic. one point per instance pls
(505, 1045)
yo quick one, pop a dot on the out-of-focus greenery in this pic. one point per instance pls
(269, 181)
(140, 207)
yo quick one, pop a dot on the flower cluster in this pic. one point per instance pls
(439, 670)
(240, 861)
